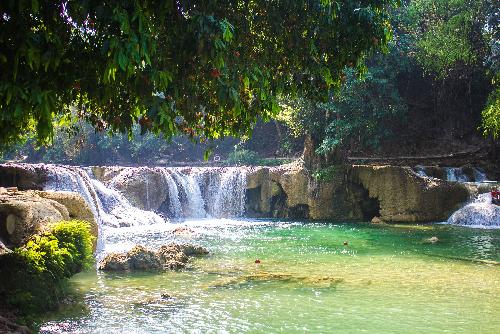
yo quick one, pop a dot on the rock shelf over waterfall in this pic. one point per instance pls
(133, 196)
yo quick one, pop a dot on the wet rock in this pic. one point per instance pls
(143, 187)
(377, 220)
(167, 257)
(23, 176)
(184, 232)
(166, 296)
(9, 326)
(4, 249)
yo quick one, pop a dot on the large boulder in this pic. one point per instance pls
(291, 191)
(75, 204)
(405, 196)
(145, 188)
(25, 213)
(171, 256)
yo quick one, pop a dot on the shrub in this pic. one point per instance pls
(33, 277)
(243, 157)
(327, 174)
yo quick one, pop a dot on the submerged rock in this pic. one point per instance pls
(263, 276)
(432, 240)
(184, 232)
(167, 257)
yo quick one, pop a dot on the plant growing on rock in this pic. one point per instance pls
(33, 277)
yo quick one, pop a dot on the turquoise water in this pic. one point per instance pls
(387, 279)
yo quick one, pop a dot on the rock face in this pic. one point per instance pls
(143, 187)
(24, 213)
(75, 204)
(350, 192)
(290, 191)
(391, 193)
(167, 257)
(23, 176)
(406, 197)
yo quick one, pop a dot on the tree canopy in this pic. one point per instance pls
(441, 66)
(205, 68)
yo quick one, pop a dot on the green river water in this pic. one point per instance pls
(388, 279)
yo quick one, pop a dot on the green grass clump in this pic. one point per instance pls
(33, 278)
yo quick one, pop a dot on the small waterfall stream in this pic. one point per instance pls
(453, 174)
(478, 213)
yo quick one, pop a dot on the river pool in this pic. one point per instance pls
(387, 279)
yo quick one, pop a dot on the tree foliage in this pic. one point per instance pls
(448, 33)
(205, 68)
(451, 46)
(459, 40)
(491, 115)
(361, 115)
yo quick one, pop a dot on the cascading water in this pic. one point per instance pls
(194, 206)
(479, 213)
(420, 170)
(189, 195)
(226, 193)
(455, 174)
(173, 195)
(479, 176)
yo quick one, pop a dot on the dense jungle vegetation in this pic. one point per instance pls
(430, 85)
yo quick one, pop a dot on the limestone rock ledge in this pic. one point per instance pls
(25, 213)
(406, 197)
(290, 191)
(168, 257)
(358, 192)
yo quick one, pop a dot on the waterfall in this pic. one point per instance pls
(173, 195)
(479, 213)
(455, 174)
(420, 170)
(109, 207)
(195, 205)
(226, 193)
(191, 193)
(479, 176)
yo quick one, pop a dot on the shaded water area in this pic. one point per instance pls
(387, 279)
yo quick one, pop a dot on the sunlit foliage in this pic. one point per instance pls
(203, 68)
